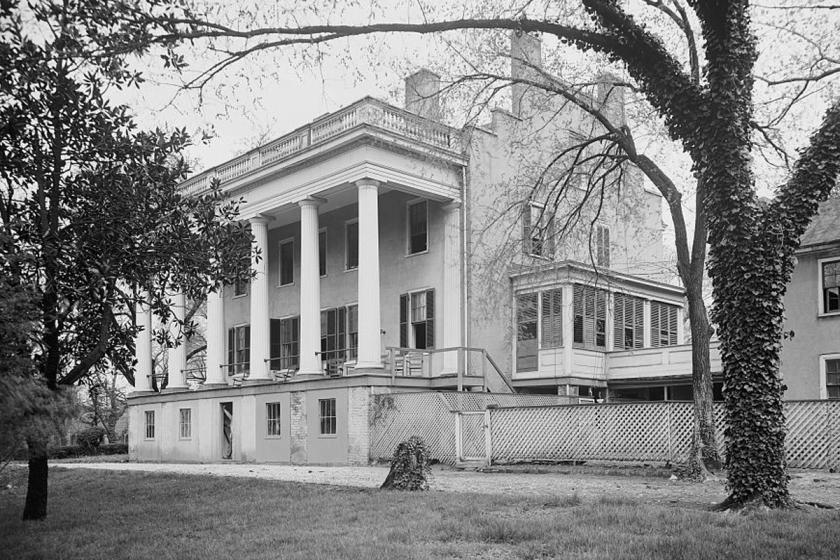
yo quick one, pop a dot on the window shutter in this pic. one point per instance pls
(430, 319)
(276, 342)
(231, 350)
(672, 325)
(404, 321)
(639, 324)
(619, 342)
(552, 319)
(526, 229)
(578, 305)
(549, 239)
(654, 324)
(600, 297)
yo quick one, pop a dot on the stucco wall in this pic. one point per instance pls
(813, 335)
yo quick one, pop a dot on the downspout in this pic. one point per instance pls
(465, 333)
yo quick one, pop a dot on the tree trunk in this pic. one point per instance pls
(36, 490)
(704, 452)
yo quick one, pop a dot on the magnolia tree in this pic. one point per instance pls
(91, 218)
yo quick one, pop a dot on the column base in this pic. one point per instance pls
(175, 389)
(258, 381)
(217, 385)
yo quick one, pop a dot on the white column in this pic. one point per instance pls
(310, 289)
(215, 339)
(370, 351)
(646, 342)
(177, 359)
(451, 310)
(143, 349)
(260, 323)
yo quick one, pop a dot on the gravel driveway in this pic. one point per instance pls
(807, 486)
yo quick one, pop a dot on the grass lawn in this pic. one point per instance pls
(114, 515)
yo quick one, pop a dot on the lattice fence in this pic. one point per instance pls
(647, 432)
(397, 417)
(536, 428)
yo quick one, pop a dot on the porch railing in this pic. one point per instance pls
(459, 361)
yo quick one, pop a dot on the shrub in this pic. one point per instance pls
(90, 437)
(410, 468)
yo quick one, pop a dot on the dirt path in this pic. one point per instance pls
(807, 486)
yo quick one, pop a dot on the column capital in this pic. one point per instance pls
(452, 206)
(368, 183)
(260, 219)
(311, 202)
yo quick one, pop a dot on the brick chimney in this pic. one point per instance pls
(525, 54)
(422, 94)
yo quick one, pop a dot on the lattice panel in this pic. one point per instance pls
(422, 414)
(472, 435)
(475, 402)
(808, 442)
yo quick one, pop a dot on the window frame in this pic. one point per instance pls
(184, 427)
(602, 237)
(547, 245)
(585, 344)
(273, 423)
(408, 236)
(280, 245)
(347, 225)
(284, 346)
(149, 425)
(824, 359)
(517, 330)
(234, 350)
(636, 304)
(656, 341)
(821, 303)
(406, 309)
(322, 252)
(330, 419)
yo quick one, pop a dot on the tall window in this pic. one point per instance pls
(287, 262)
(418, 227)
(538, 231)
(417, 319)
(239, 352)
(352, 332)
(327, 416)
(663, 324)
(590, 316)
(322, 252)
(272, 415)
(602, 245)
(352, 247)
(150, 424)
(240, 287)
(831, 287)
(526, 332)
(285, 337)
(333, 336)
(832, 377)
(185, 423)
(552, 319)
(629, 322)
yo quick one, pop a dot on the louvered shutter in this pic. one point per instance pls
(600, 322)
(639, 322)
(231, 350)
(654, 324)
(276, 342)
(552, 319)
(578, 305)
(404, 321)
(618, 322)
(526, 229)
(672, 325)
(430, 319)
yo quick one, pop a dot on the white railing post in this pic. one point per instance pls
(488, 438)
(459, 444)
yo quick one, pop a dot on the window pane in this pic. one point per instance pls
(832, 366)
(287, 262)
(418, 227)
(322, 253)
(327, 416)
(353, 245)
(526, 332)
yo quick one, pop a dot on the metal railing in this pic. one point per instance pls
(366, 112)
